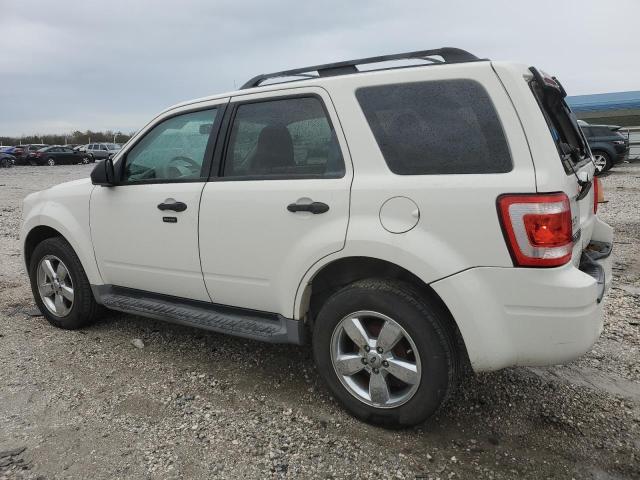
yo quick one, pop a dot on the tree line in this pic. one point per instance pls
(78, 137)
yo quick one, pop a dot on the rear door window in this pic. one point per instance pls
(283, 138)
(436, 127)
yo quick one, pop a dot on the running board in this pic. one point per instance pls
(255, 325)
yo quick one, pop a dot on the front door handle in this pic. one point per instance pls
(314, 207)
(171, 204)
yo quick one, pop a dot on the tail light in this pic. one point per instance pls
(596, 194)
(537, 228)
(38, 154)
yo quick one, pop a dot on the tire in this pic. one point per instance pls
(428, 331)
(602, 159)
(85, 160)
(51, 161)
(83, 309)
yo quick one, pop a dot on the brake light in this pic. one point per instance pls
(38, 154)
(596, 194)
(537, 228)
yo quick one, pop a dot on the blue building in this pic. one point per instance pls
(616, 108)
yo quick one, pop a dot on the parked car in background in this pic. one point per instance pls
(14, 151)
(100, 151)
(607, 144)
(57, 155)
(29, 153)
(7, 160)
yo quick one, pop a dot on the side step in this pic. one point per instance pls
(261, 326)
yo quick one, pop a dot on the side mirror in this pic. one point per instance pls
(103, 174)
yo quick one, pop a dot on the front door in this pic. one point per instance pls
(145, 230)
(280, 201)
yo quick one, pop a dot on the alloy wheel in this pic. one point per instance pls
(375, 359)
(51, 162)
(600, 161)
(55, 285)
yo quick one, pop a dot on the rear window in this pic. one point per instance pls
(436, 127)
(563, 126)
(602, 132)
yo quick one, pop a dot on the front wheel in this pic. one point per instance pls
(385, 352)
(60, 286)
(85, 160)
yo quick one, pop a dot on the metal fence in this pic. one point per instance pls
(633, 134)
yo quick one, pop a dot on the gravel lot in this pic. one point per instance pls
(192, 404)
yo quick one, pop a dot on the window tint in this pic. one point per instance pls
(283, 138)
(437, 127)
(587, 132)
(602, 132)
(172, 150)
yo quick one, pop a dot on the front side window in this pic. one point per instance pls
(286, 138)
(172, 150)
(436, 127)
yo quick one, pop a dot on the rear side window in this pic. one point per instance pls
(436, 127)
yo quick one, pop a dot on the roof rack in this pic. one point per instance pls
(450, 55)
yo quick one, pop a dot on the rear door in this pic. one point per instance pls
(280, 201)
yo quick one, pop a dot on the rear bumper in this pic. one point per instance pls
(528, 316)
(621, 157)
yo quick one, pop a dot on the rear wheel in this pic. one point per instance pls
(51, 161)
(385, 352)
(60, 286)
(603, 161)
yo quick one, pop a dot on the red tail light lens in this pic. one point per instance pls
(596, 194)
(537, 228)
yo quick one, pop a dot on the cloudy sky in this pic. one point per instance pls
(113, 64)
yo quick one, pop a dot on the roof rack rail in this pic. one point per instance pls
(450, 55)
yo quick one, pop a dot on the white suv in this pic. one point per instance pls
(403, 221)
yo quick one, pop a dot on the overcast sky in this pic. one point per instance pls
(113, 64)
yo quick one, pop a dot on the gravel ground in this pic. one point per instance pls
(135, 398)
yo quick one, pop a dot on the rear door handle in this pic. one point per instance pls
(314, 207)
(170, 204)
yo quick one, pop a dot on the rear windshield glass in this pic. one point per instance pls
(436, 127)
(563, 126)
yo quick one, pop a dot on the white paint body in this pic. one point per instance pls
(237, 244)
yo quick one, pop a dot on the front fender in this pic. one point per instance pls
(68, 214)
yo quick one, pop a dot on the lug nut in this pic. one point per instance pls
(385, 364)
(379, 349)
(367, 348)
(364, 360)
(375, 370)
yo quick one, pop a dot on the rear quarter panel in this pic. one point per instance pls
(458, 227)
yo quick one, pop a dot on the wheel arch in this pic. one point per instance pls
(332, 276)
(47, 227)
